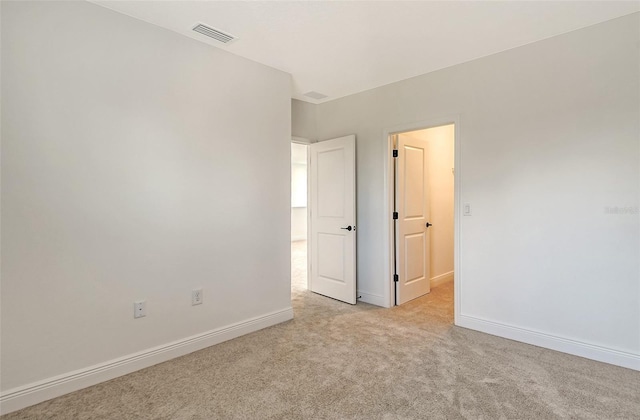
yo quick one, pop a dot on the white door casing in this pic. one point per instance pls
(332, 207)
(412, 204)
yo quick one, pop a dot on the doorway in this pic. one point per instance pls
(323, 218)
(299, 200)
(422, 201)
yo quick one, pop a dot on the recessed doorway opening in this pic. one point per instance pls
(323, 215)
(299, 166)
(422, 208)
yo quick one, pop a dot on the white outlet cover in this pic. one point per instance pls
(140, 309)
(196, 297)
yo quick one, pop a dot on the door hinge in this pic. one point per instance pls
(395, 215)
(395, 153)
(395, 278)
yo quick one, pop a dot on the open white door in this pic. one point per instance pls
(413, 219)
(332, 236)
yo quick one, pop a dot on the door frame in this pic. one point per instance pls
(388, 251)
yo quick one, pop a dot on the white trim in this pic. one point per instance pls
(565, 345)
(387, 256)
(387, 211)
(371, 298)
(300, 140)
(309, 250)
(36, 392)
(298, 238)
(441, 279)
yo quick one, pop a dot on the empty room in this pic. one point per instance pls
(319, 209)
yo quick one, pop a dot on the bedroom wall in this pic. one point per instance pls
(135, 163)
(303, 120)
(549, 150)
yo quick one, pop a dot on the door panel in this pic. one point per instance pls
(330, 183)
(332, 196)
(415, 250)
(414, 177)
(331, 250)
(413, 214)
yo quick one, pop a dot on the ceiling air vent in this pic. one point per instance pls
(214, 33)
(315, 95)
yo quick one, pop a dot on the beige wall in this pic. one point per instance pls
(136, 164)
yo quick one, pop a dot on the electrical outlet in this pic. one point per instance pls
(196, 297)
(140, 309)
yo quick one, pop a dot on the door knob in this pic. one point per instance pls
(347, 228)
(429, 224)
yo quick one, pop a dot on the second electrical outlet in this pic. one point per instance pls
(196, 297)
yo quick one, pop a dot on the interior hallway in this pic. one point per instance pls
(298, 267)
(338, 361)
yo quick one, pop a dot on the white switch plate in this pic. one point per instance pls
(466, 209)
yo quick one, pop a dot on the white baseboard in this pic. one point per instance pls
(577, 348)
(442, 278)
(34, 393)
(372, 299)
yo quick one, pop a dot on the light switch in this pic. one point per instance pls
(466, 209)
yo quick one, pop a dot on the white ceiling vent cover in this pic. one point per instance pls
(315, 95)
(216, 34)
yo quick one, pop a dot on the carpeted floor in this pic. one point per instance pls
(337, 361)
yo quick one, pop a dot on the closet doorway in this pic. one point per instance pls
(422, 202)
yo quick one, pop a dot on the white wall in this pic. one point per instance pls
(303, 120)
(298, 224)
(548, 140)
(136, 164)
(298, 192)
(440, 162)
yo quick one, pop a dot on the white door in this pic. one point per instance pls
(332, 196)
(413, 217)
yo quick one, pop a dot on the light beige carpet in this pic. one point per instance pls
(337, 361)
